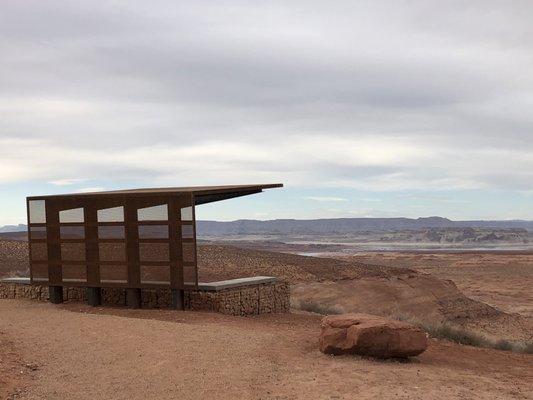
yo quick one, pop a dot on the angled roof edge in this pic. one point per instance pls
(203, 194)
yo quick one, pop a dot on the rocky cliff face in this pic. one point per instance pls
(461, 236)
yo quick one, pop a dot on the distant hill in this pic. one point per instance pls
(334, 225)
(13, 228)
(346, 225)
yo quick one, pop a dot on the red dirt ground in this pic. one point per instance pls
(56, 352)
(85, 353)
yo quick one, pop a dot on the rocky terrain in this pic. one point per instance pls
(489, 239)
(451, 235)
(279, 352)
(343, 284)
(501, 279)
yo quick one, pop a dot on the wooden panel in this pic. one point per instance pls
(73, 251)
(155, 274)
(114, 273)
(112, 251)
(38, 251)
(74, 272)
(37, 233)
(154, 252)
(39, 272)
(190, 267)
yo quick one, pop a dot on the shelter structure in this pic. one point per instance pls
(133, 239)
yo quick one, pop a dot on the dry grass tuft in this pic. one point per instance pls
(462, 336)
(528, 348)
(318, 308)
(457, 335)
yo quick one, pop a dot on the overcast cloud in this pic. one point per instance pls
(365, 96)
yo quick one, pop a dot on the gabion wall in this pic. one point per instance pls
(245, 300)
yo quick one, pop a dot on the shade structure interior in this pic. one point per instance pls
(139, 238)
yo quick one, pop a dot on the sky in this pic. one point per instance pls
(361, 108)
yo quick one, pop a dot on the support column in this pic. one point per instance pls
(94, 296)
(177, 299)
(133, 298)
(55, 293)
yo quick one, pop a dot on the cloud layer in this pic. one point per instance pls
(381, 96)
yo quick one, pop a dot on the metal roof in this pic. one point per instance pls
(202, 194)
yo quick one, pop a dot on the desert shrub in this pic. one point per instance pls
(523, 347)
(312, 306)
(457, 335)
(505, 345)
(528, 348)
(463, 336)
(405, 318)
(447, 332)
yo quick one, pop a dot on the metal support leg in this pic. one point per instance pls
(55, 293)
(94, 296)
(133, 298)
(177, 299)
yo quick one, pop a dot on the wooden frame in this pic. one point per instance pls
(90, 252)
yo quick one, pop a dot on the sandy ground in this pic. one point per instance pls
(76, 352)
(503, 280)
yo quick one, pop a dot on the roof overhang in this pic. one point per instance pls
(202, 194)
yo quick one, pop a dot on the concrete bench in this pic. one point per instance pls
(235, 283)
(20, 281)
(203, 286)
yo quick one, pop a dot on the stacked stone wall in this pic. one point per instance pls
(248, 300)
(18, 291)
(114, 297)
(245, 300)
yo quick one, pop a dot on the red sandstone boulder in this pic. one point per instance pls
(370, 335)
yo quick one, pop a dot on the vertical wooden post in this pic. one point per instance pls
(53, 244)
(29, 239)
(132, 244)
(133, 293)
(176, 273)
(193, 205)
(91, 244)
